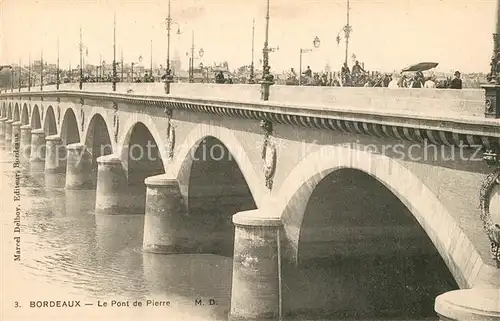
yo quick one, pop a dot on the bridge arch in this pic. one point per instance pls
(35, 121)
(69, 127)
(16, 116)
(49, 124)
(97, 139)
(320, 171)
(141, 158)
(25, 118)
(182, 164)
(125, 138)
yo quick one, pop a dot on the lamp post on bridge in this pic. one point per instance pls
(12, 72)
(492, 90)
(316, 44)
(252, 68)
(19, 77)
(114, 53)
(169, 78)
(135, 63)
(201, 52)
(41, 70)
(267, 78)
(57, 72)
(29, 72)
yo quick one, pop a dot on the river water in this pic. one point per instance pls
(69, 253)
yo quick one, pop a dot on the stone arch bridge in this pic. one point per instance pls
(283, 188)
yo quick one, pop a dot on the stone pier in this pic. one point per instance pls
(8, 133)
(469, 305)
(37, 150)
(78, 167)
(55, 155)
(165, 223)
(111, 183)
(256, 296)
(16, 135)
(2, 130)
(25, 146)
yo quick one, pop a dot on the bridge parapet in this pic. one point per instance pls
(437, 102)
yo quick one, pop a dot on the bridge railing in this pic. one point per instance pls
(438, 102)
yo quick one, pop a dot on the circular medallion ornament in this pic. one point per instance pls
(488, 105)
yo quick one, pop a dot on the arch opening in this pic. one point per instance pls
(143, 160)
(362, 254)
(216, 191)
(49, 125)
(69, 128)
(97, 141)
(35, 118)
(16, 113)
(24, 115)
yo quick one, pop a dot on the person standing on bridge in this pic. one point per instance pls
(456, 83)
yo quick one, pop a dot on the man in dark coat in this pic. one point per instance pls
(456, 83)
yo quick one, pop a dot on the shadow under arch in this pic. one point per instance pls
(49, 125)
(16, 116)
(35, 118)
(97, 140)
(9, 111)
(69, 128)
(25, 118)
(215, 189)
(142, 157)
(355, 214)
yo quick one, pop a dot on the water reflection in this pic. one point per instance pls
(71, 253)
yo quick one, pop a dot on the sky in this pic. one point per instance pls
(387, 34)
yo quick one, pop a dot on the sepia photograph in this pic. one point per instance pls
(250, 160)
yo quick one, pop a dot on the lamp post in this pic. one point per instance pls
(19, 77)
(81, 58)
(29, 72)
(57, 72)
(135, 63)
(151, 61)
(252, 69)
(81, 61)
(12, 79)
(169, 78)
(41, 70)
(201, 52)
(114, 53)
(492, 90)
(267, 78)
(316, 43)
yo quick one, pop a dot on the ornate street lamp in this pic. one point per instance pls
(316, 43)
(135, 63)
(169, 78)
(114, 54)
(267, 78)
(492, 90)
(41, 70)
(201, 52)
(252, 68)
(57, 72)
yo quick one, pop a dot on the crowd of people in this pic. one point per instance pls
(358, 77)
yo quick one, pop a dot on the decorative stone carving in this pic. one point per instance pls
(58, 99)
(170, 139)
(116, 121)
(29, 110)
(268, 154)
(82, 102)
(82, 115)
(58, 114)
(492, 229)
(41, 116)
